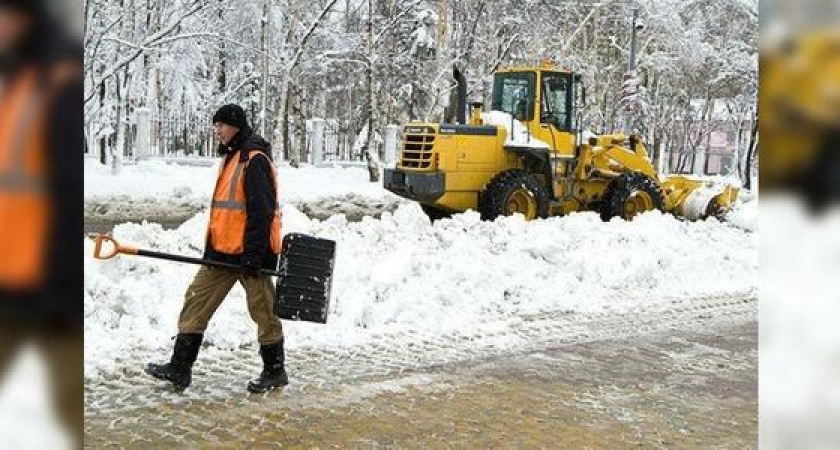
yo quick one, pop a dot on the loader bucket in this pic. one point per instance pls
(698, 199)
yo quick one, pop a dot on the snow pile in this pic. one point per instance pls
(745, 212)
(519, 137)
(402, 273)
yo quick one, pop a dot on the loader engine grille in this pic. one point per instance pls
(418, 148)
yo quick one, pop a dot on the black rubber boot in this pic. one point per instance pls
(178, 370)
(274, 374)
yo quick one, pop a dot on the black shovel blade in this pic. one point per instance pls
(305, 281)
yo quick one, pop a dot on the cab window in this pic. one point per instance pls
(556, 100)
(512, 91)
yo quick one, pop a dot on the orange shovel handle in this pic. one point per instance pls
(117, 248)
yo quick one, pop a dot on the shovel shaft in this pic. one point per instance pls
(117, 249)
(199, 261)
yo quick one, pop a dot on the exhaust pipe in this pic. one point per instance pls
(459, 100)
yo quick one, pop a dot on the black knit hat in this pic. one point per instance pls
(232, 115)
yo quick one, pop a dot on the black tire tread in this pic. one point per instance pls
(622, 187)
(492, 204)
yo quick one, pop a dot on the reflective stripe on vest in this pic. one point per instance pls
(231, 202)
(228, 215)
(24, 211)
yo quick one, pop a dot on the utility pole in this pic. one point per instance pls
(631, 67)
(263, 67)
(631, 84)
(443, 22)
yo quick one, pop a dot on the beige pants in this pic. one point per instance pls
(210, 287)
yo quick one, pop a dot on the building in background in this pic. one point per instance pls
(721, 132)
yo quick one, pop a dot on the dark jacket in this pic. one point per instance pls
(260, 201)
(60, 300)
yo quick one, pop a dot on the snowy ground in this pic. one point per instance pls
(400, 272)
(410, 297)
(677, 375)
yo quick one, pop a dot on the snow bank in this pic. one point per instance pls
(402, 273)
(151, 178)
(159, 179)
(519, 137)
(745, 212)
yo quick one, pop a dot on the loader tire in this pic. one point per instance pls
(514, 191)
(631, 194)
(435, 214)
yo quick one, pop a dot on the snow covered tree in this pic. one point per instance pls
(288, 61)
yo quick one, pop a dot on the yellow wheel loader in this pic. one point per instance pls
(526, 157)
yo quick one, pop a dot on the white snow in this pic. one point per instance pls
(799, 360)
(519, 136)
(698, 200)
(745, 212)
(402, 273)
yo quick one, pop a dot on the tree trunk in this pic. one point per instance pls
(303, 142)
(117, 150)
(103, 150)
(351, 126)
(750, 155)
(370, 157)
(657, 151)
(290, 152)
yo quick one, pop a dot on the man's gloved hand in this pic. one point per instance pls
(250, 270)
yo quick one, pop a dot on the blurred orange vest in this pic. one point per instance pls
(227, 214)
(24, 208)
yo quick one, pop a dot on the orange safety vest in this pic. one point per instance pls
(226, 231)
(24, 208)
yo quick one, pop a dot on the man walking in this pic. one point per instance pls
(244, 229)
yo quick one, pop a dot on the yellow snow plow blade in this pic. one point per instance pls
(698, 199)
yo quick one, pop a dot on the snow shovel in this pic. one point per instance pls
(304, 281)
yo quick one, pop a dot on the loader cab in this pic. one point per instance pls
(543, 99)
